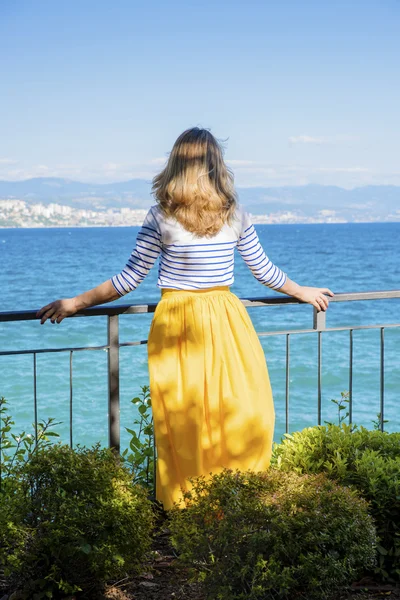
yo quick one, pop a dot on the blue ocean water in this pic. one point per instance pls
(41, 265)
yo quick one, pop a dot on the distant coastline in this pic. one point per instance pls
(53, 202)
(88, 226)
(55, 216)
(18, 214)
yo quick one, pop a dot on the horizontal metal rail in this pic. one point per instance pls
(129, 309)
(113, 346)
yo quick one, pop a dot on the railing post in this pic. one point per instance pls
(35, 406)
(319, 323)
(382, 381)
(287, 381)
(319, 319)
(351, 379)
(113, 383)
(71, 393)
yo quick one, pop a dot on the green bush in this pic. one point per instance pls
(367, 460)
(275, 535)
(76, 521)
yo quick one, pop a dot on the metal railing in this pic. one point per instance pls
(113, 345)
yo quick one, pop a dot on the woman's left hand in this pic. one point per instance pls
(57, 311)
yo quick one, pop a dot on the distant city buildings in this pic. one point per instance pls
(18, 213)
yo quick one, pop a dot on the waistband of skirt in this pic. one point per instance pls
(168, 292)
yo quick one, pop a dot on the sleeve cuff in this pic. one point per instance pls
(120, 294)
(283, 282)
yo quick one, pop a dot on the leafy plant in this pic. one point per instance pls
(368, 460)
(77, 520)
(271, 534)
(141, 457)
(342, 404)
(378, 422)
(22, 446)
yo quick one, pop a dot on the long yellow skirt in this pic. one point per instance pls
(211, 395)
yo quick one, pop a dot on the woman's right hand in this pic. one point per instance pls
(57, 311)
(315, 296)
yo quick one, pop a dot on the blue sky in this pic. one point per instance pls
(302, 91)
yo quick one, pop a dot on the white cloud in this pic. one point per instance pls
(13, 174)
(104, 173)
(248, 173)
(305, 139)
(8, 161)
(258, 174)
(241, 163)
(342, 169)
(158, 161)
(111, 166)
(273, 170)
(361, 205)
(309, 139)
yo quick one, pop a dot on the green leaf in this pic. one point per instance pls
(131, 431)
(86, 548)
(135, 443)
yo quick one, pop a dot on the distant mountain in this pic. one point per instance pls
(380, 202)
(379, 199)
(134, 193)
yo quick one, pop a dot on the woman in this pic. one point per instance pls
(211, 396)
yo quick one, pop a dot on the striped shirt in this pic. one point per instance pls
(188, 262)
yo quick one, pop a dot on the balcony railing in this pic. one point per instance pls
(113, 346)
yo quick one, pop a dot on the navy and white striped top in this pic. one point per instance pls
(188, 262)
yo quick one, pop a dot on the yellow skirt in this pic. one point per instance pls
(211, 396)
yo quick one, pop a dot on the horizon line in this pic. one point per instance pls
(270, 185)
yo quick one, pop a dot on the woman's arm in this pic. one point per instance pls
(311, 295)
(271, 275)
(58, 310)
(148, 247)
(253, 254)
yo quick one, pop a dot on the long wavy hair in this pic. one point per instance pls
(195, 186)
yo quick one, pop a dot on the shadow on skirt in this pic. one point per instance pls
(211, 395)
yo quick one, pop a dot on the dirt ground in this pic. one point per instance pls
(163, 580)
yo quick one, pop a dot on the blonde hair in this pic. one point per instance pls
(195, 186)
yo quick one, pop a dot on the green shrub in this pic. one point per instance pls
(78, 521)
(15, 452)
(275, 535)
(367, 460)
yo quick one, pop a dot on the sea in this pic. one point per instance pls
(41, 265)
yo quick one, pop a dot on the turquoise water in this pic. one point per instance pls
(40, 265)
